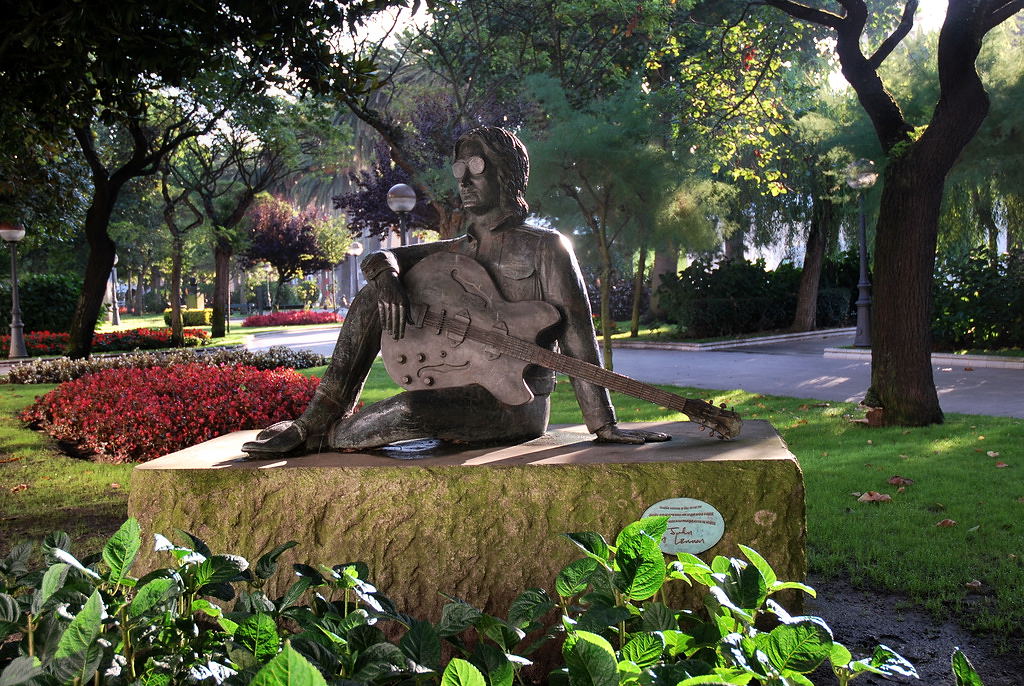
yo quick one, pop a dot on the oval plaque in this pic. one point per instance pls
(693, 525)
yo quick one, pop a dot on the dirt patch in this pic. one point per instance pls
(861, 619)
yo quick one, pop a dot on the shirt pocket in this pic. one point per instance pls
(518, 270)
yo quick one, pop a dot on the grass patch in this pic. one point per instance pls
(61, 492)
(895, 546)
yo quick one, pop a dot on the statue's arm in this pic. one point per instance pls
(383, 269)
(568, 292)
(565, 290)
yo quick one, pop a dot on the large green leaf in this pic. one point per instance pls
(761, 564)
(964, 671)
(800, 646)
(288, 668)
(24, 671)
(658, 617)
(494, 664)
(675, 672)
(10, 615)
(53, 581)
(219, 569)
(644, 649)
(258, 634)
(591, 660)
(78, 653)
(456, 617)
(592, 543)
(155, 593)
(641, 563)
(602, 617)
(500, 632)
(528, 607)
(575, 577)
(266, 565)
(462, 673)
(422, 645)
(120, 551)
(654, 527)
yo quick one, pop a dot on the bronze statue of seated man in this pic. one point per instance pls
(525, 263)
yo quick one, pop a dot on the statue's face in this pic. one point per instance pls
(479, 190)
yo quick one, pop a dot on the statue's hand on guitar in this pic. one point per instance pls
(392, 304)
(612, 433)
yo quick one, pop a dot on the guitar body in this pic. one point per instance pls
(451, 296)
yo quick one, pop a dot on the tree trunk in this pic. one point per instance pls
(1014, 205)
(666, 261)
(222, 251)
(277, 293)
(822, 221)
(734, 248)
(606, 311)
(97, 268)
(177, 327)
(638, 287)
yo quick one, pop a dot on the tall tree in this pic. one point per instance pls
(66, 64)
(294, 243)
(919, 160)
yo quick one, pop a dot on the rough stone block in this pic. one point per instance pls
(481, 524)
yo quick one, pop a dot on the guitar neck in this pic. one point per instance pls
(535, 354)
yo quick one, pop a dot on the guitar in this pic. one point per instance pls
(461, 331)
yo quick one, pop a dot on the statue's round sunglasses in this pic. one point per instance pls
(474, 164)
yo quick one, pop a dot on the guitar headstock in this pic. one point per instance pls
(722, 423)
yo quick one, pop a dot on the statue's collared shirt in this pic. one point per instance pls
(527, 263)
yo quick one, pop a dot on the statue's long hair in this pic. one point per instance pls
(513, 163)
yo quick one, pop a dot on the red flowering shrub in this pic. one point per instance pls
(125, 415)
(39, 342)
(48, 343)
(144, 339)
(292, 318)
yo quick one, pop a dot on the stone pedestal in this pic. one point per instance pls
(481, 524)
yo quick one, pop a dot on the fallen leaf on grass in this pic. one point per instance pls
(973, 583)
(1020, 500)
(874, 497)
(900, 481)
(822, 405)
(115, 485)
(804, 408)
(946, 523)
(974, 528)
(992, 453)
(1001, 465)
(9, 459)
(981, 438)
(19, 487)
(901, 489)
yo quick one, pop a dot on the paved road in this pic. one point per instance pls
(796, 368)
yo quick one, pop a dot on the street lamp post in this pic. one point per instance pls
(401, 199)
(355, 249)
(11, 235)
(860, 176)
(115, 315)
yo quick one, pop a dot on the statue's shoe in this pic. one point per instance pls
(276, 439)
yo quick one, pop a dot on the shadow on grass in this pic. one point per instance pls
(89, 526)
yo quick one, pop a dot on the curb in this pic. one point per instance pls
(940, 359)
(725, 345)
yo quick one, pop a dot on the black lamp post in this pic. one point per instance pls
(11, 235)
(401, 199)
(860, 176)
(115, 315)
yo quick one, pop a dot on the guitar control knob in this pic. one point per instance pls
(402, 359)
(428, 381)
(444, 354)
(421, 357)
(406, 380)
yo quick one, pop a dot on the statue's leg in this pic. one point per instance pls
(357, 347)
(468, 415)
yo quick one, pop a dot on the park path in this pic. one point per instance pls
(791, 368)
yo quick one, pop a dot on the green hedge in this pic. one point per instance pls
(191, 317)
(47, 301)
(735, 297)
(979, 301)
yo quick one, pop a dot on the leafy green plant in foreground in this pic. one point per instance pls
(89, 621)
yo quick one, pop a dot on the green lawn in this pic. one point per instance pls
(896, 545)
